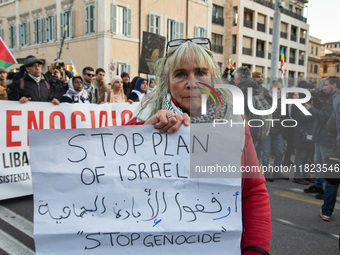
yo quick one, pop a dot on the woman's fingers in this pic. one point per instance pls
(167, 121)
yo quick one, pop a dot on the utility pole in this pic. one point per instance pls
(275, 41)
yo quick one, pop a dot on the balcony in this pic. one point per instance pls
(283, 35)
(260, 53)
(270, 31)
(292, 60)
(217, 48)
(293, 38)
(248, 23)
(218, 21)
(301, 62)
(246, 51)
(266, 3)
(285, 11)
(303, 40)
(269, 55)
(261, 27)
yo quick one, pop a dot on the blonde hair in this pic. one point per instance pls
(174, 59)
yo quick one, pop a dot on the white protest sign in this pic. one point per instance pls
(16, 119)
(127, 190)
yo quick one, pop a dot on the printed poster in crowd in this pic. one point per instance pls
(129, 190)
(152, 50)
(17, 119)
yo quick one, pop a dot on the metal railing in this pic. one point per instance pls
(248, 23)
(293, 38)
(283, 35)
(303, 40)
(246, 51)
(292, 60)
(217, 48)
(261, 27)
(218, 21)
(260, 54)
(301, 62)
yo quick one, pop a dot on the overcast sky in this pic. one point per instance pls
(323, 17)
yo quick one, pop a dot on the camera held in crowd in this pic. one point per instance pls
(59, 65)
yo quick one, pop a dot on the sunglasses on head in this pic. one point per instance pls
(90, 74)
(198, 40)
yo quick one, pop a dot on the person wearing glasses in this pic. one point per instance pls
(89, 77)
(177, 101)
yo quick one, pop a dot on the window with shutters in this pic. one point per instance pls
(37, 31)
(90, 19)
(122, 67)
(200, 32)
(24, 34)
(154, 24)
(175, 30)
(66, 24)
(12, 36)
(50, 28)
(121, 18)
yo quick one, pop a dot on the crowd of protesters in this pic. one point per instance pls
(309, 140)
(58, 85)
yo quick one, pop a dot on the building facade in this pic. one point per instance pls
(314, 60)
(108, 33)
(249, 36)
(98, 33)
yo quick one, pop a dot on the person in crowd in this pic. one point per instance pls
(171, 106)
(76, 92)
(288, 134)
(273, 142)
(88, 81)
(58, 85)
(100, 86)
(332, 184)
(22, 70)
(138, 93)
(50, 72)
(228, 71)
(302, 142)
(259, 79)
(242, 79)
(3, 88)
(152, 85)
(33, 86)
(126, 82)
(323, 141)
(116, 94)
(132, 85)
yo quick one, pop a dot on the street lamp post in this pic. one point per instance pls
(275, 41)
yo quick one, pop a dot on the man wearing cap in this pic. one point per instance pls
(32, 86)
(3, 76)
(126, 84)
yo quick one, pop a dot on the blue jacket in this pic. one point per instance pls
(336, 107)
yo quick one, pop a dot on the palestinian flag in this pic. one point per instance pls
(6, 57)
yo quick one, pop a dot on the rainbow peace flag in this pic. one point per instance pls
(6, 57)
(282, 61)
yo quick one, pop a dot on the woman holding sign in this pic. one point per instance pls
(185, 74)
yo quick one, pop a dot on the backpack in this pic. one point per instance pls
(22, 84)
(258, 132)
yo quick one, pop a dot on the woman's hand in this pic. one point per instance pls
(24, 100)
(167, 121)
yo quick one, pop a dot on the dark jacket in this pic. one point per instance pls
(277, 128)
(31, 90)
(305, 124)
(59, 88)
(244, 85)
(320, 132)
